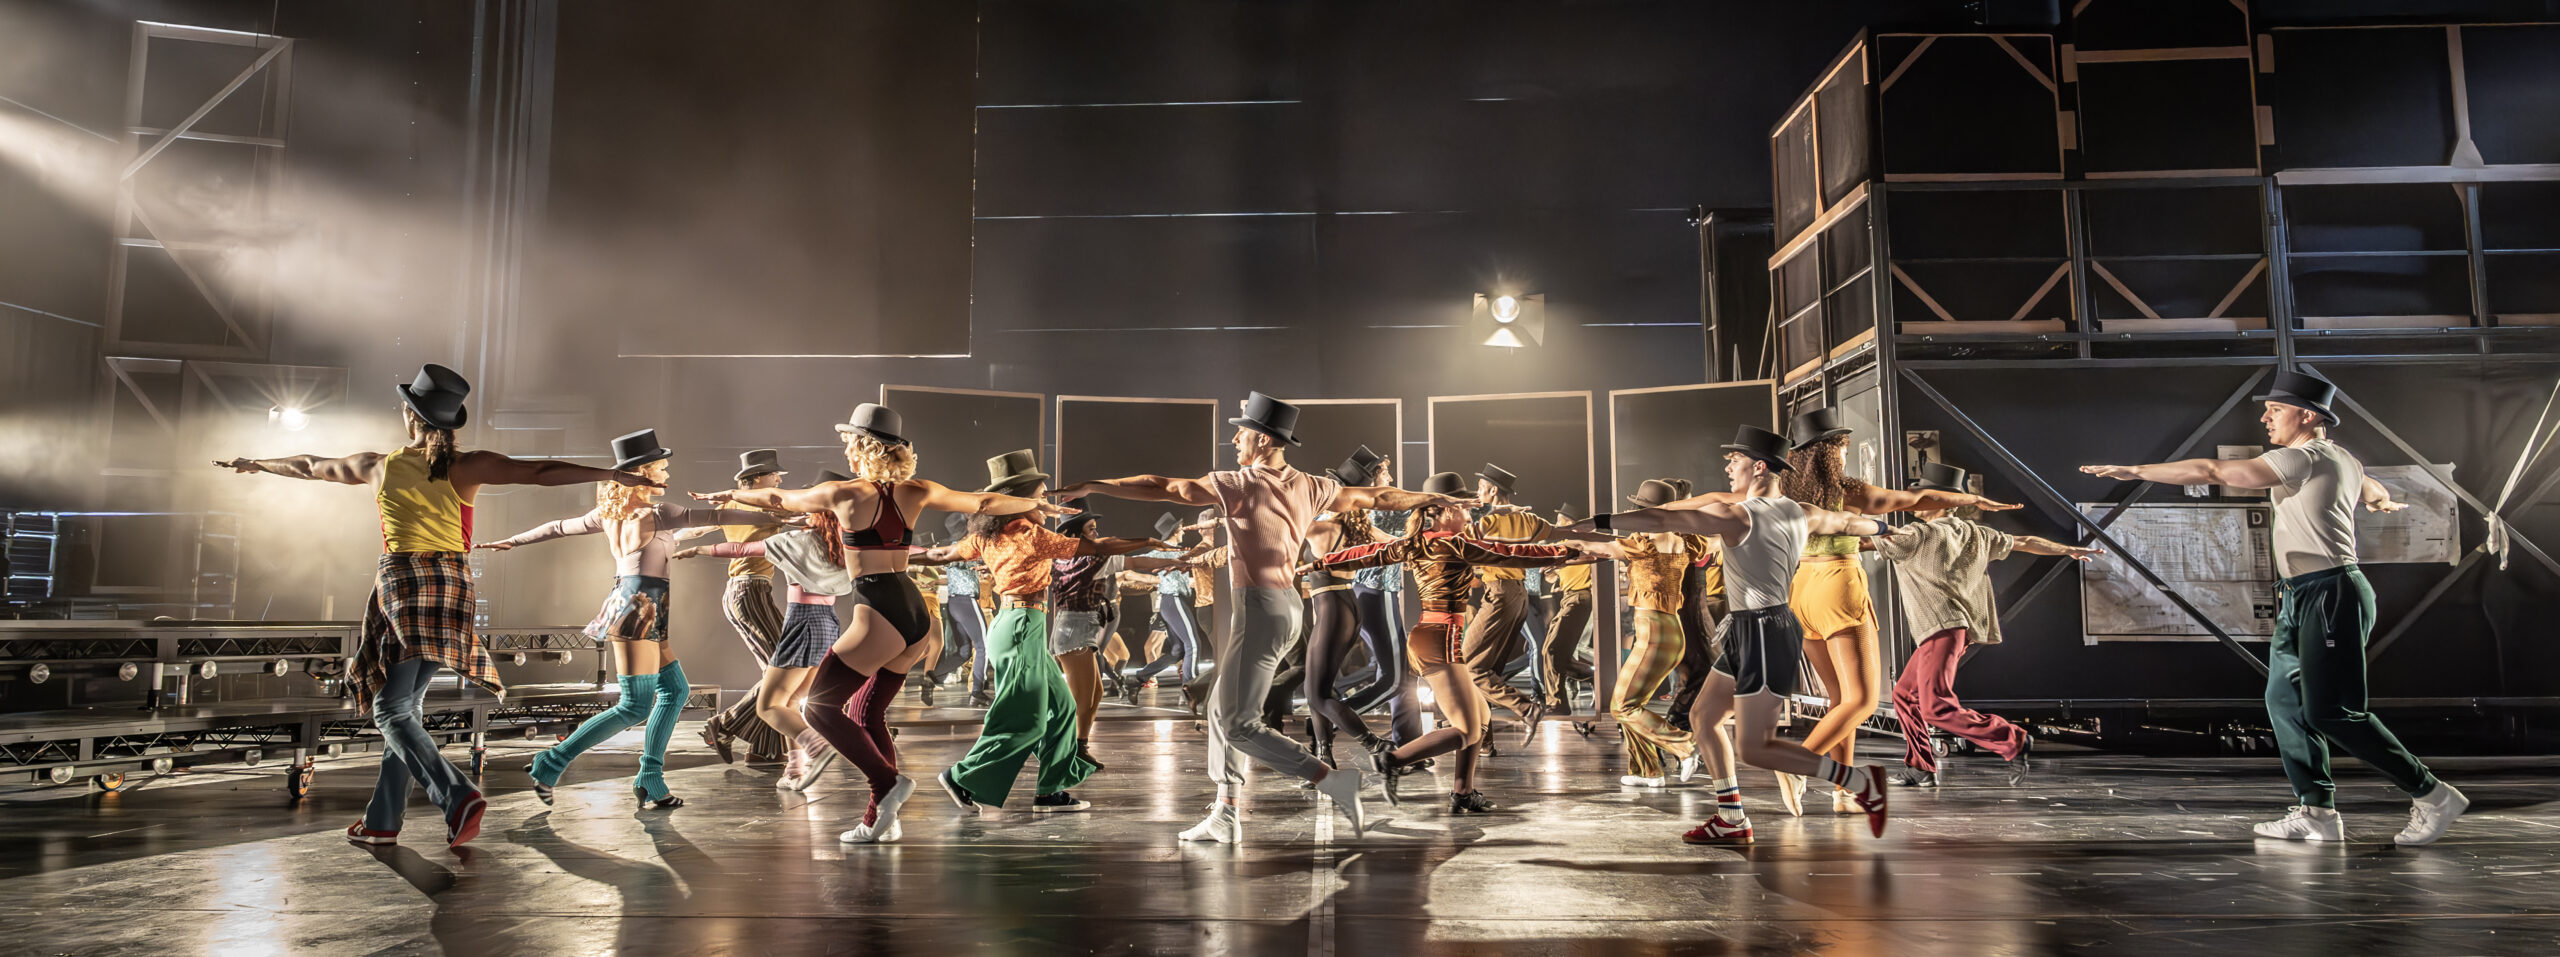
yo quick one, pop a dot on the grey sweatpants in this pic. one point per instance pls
(1263, 630)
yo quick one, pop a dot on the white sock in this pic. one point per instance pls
(1729, 801)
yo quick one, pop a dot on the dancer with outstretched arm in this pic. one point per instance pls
(641, 534)
(886, 628)
(746, 600)
(1764, 537)
(1267, 507)
(814, 565)
(418, 619)
(2316, 661)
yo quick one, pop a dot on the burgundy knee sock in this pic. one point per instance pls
(870, 711)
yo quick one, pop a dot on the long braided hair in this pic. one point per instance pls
(1816, 476)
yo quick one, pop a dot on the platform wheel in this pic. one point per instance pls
(479, 761)
(110, 782)
(297, 781)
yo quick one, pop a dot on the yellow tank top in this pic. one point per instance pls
(420, 514)
(748, 564)
(1819, 545)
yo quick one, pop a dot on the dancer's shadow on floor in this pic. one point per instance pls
(684, 881)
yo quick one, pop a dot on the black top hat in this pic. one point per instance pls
(2300, 389)
(436, 396)
(1759, 443)
(1570, 512)
(1357, 469)
(1167, 526)
(1815, 425)
(1074, 524)
(759, 462)
(638, 449)
(1449, 484)
(830, 475)
(1270, 417)
(1654, 493)
(1500, 477)
(1940, 476)
(1012, 471)
(877, 421)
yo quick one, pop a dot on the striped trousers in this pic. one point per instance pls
(1656, 650)
(747, 601)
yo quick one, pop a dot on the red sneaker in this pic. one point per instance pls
(1718, 831)
(464, 823)
(1872, 799)
(363, 836)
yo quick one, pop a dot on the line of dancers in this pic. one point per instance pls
(1769, 568)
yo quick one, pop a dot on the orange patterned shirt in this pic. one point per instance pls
(1017, 557)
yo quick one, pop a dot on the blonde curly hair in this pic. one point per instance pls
(621, 503)
(879, 461)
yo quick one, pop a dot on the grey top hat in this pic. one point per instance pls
(957, 525)
(2301, 389)
(1654, 493)
(1270, 417)
(1500, 477)
(1018, 469)
(759, 462)
(637, 449)
(877, 421)
(1814, 425)
(1939, 476)
(436, 396)
(1760, 443)
(1357, 469)
(1167, 526)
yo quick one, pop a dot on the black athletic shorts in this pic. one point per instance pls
(1761, 650)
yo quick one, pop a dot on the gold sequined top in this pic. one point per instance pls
(1653, 575)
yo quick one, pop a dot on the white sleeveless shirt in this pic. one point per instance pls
(1759, 566)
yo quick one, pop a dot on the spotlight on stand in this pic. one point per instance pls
(291, 418)
(1509, 321)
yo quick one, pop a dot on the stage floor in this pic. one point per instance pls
(2099, 852)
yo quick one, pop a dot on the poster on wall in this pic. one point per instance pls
(2423, 533)
(2217, 556)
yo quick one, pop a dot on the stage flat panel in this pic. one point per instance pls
(1675, 432)
(957, 430)
(1103, 437)
(1545, 438)
(1333, 428)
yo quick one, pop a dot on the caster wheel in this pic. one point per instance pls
(110, 782)
(479, 761)
(297, 782)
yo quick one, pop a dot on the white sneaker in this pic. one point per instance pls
(1688, 768)
(2303, 823)
(1842, 802)
(883, 831)
(886, 816)
(1342, 787)
(817, 762)
(1223, 825)
(1640, 781)
(1791, 792)
(2430, 814)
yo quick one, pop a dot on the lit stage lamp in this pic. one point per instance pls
(1509, 321)
(291, 418)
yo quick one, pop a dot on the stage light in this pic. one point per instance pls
(291, 418)
(1509, 320)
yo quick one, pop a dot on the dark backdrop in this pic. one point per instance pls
(1545, 440)
(1676, 434)
(1100, 439)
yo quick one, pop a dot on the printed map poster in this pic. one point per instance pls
(2425, 532)
(2217, 556)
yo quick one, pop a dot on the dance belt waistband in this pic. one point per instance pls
(2308, 579)
(1017, 601)
(1819, 559)
(1450, 618)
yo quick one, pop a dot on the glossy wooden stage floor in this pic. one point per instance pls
(2096, 852)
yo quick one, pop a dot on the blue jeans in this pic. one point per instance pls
(407, 752)
(1181, 646)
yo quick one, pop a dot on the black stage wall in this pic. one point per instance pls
(1544, 439)
(1332, 428)
(1110, 438)
(1676, 432)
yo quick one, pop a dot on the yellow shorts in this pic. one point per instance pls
(1829, 595)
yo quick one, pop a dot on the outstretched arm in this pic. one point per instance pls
(1880, 501)
(1726, 497)
(2042, 546)
(819, 498)
(491, 468)
(1372, 555)
(1385, 498)
(2237, 473)
(1143, 488)
(1107, 547)
(724, 550)
(358, 469)
(1712, 519)
(1142, 564)
(1823, 521)
(1482, 553)
(2378, 499)
(983, 503)
(587, 524)
(702, 517)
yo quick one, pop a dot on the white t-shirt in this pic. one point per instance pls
(2315, 506)
(1759, 567)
